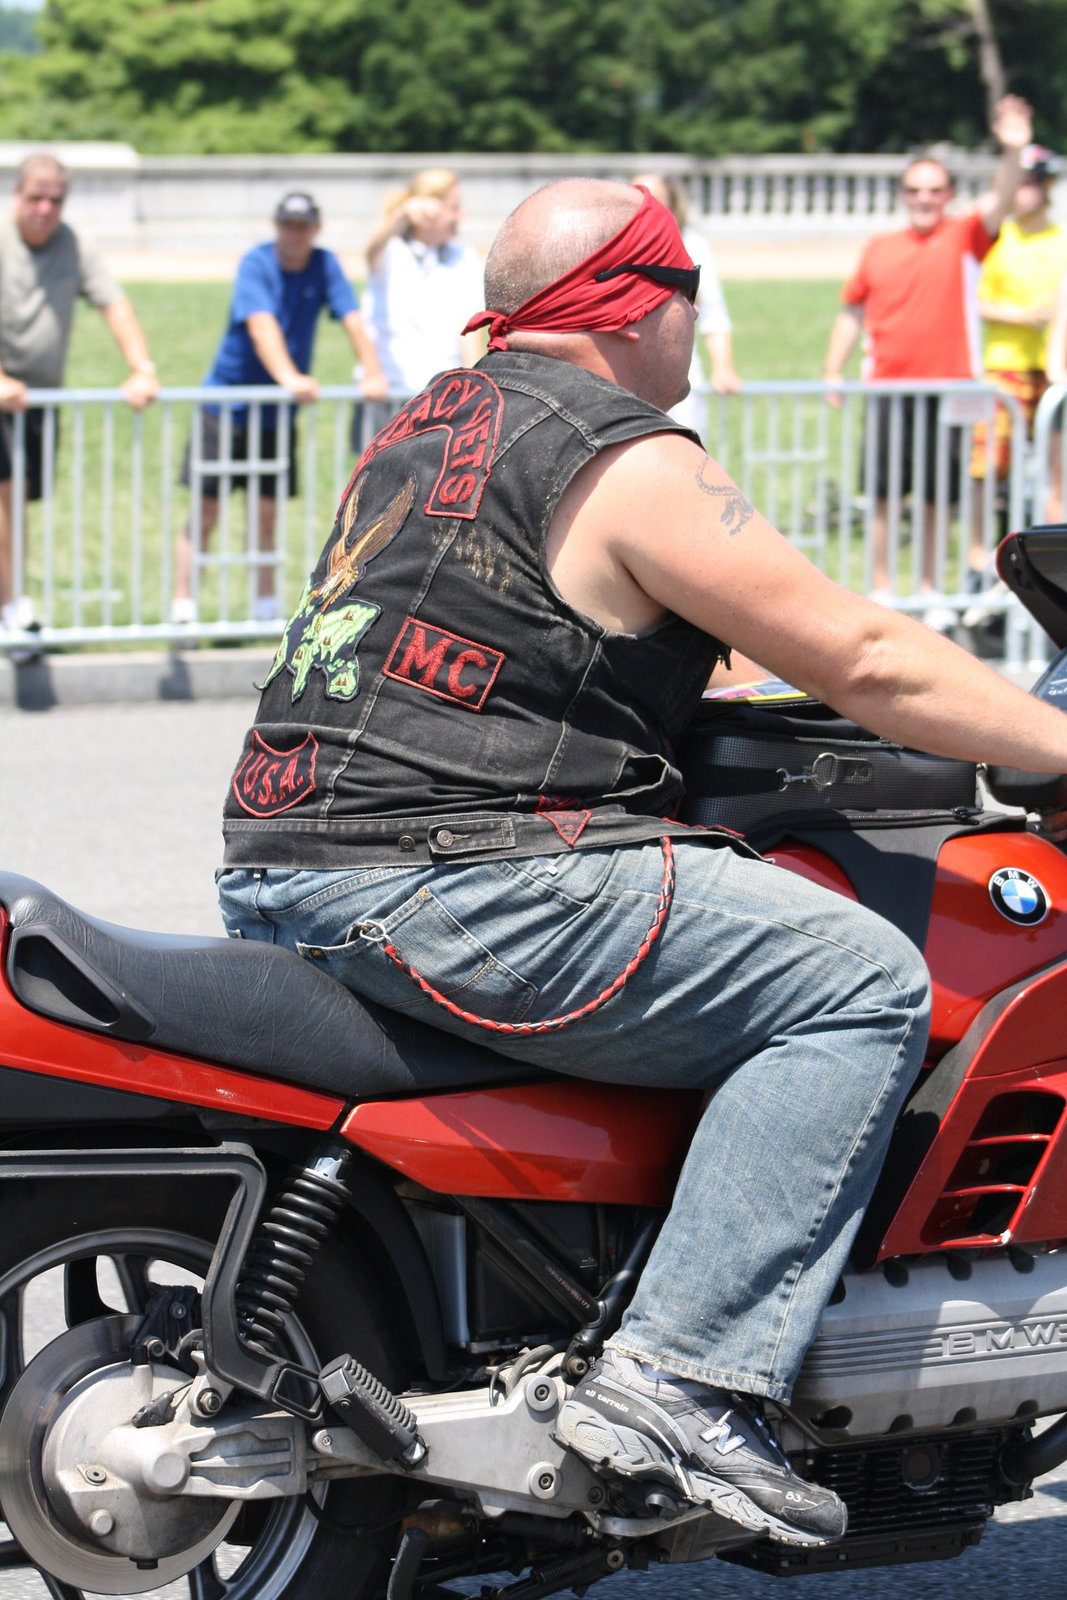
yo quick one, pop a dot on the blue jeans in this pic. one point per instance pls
(804, 1013)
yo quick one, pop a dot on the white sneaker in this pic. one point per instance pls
(19, 616)
(183, 610)
(267, 608)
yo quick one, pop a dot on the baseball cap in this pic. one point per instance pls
(1037, 162)
(297, 207)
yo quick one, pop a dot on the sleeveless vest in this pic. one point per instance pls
(434, 696)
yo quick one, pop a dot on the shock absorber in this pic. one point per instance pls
(286, 1244)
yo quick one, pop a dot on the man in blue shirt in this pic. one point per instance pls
(279, 291)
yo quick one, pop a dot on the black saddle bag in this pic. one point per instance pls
(763, 765)
(779, 765)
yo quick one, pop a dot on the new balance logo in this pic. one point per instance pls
(722, 1437)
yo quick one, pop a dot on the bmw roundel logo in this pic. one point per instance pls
(1018, 896)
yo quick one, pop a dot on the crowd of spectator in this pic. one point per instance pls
(915, 299)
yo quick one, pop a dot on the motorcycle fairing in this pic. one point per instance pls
(995, 1172)
(555, 1139)
(564, 1140)
(973, 953)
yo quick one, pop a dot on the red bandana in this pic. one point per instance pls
(577, 303)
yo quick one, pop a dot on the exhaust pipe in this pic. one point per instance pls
(1025, 1459)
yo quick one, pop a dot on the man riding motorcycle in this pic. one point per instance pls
(454, 797)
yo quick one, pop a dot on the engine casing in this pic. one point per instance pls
(937, 1343)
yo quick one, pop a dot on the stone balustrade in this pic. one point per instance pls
(192, 204)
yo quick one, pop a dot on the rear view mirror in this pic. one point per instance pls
(1033, 564)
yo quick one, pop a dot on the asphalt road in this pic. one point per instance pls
(117, 809)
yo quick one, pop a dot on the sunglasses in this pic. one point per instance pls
(687, 279)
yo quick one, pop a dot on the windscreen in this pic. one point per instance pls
(1033, 564)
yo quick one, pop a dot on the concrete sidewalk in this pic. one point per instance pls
(131, 677)
(143, 677)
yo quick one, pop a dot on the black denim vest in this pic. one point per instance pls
(434, 696)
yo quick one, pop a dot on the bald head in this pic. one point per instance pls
(39, 195)
(552, 232)
(41, 164)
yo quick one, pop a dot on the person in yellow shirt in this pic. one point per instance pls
(1016, 293)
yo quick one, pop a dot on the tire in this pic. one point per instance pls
(110, 1244)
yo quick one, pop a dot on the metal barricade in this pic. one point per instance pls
(97, 557)
(1049, 455)
(874, 483)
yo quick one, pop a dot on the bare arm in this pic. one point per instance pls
(385, 228)
(1013, 126)
(1033, 317)
(844, 336)
(724, 378)
(268, 341)
(416, 209)
(375, 383)
(142, 386)
(12, 393)
(657, 526)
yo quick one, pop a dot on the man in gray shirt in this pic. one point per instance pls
(44, 267)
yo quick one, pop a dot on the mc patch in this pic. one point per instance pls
(443, 663)
(466, 407)
(269, 781)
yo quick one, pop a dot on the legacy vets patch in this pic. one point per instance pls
(466, 407)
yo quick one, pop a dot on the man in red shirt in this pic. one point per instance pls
(910, 292)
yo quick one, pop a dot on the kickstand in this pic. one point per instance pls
(568, 1572)
(407, 1563)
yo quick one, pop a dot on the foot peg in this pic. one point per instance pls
(382, 1420)
(658, 1503)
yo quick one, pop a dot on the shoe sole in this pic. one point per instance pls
(611, 1447)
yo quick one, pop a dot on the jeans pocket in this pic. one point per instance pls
(570, 882)
(436, 945)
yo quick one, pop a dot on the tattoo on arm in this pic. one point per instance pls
(736, 510)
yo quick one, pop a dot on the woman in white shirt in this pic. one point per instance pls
(423, 283)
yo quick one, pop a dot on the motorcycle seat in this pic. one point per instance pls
(231, 1001)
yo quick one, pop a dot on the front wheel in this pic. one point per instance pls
(78, 1265)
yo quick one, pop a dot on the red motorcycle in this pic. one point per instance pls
(292, 1289)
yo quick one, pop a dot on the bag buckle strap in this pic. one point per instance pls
(828, 769)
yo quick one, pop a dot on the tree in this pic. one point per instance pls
(18, 30)
(700, 76)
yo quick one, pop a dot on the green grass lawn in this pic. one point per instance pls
(781, 331)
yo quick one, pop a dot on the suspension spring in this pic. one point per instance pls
(286, 1245)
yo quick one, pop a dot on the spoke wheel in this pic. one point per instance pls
(89, 1262)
